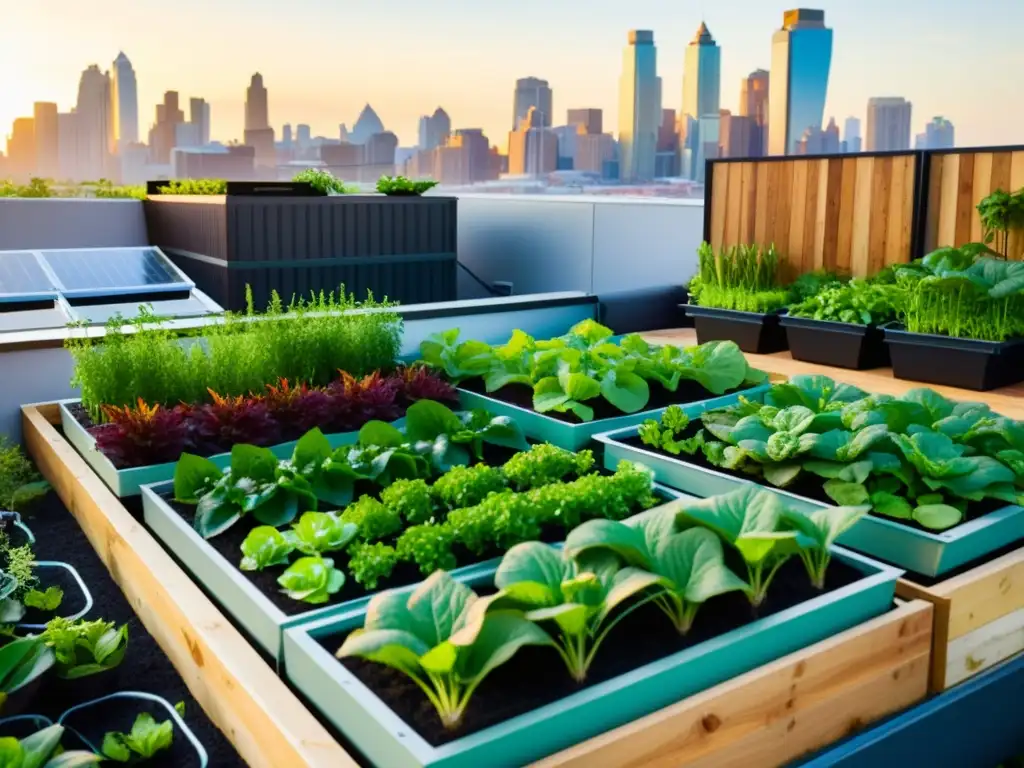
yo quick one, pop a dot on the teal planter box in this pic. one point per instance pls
(386, 740)
(925, 553)
(576, 437)
(128, 482)
(247, 604)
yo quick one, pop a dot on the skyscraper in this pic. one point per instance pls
(639, 107)
(21, 149)
(256, 110)
(286, 135)
(93, 124)
(199, 116)
(801, 59)
(666, 159)
(851, 135)
(47, 140)
(938, 134)
(888, 124)
(591, 119)
(754, 104)
(164, 132)
(367, 124)
(124, 103)
(702, 92)
(532, 148)
(434, 129)
(532, 92)
(736, 135)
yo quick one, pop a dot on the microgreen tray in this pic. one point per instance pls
(386, 739)
(923, 552)
(575, 437)
(128, 482)
(249, 606)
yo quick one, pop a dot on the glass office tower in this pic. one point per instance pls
(801, 59)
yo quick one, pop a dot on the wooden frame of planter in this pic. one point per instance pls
(249, 607)
(576, 437)
(128, 482)
(757, 333)
(923, 552)
(386, 739)
(843, 345)
(979, 618)
(964, 363)
(239, 692)
(400, 247)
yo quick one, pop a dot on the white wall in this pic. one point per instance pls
(578, 243)
(70, 223)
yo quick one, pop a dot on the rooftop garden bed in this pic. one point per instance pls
(942, 479)
(565, 389)
(542, 651)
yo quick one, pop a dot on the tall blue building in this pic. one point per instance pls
(801, 59)
(702, 96)
(639, 107)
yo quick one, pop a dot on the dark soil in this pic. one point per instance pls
(536, 677)
(118, 715)
(229, 543)
(807, 485)
(72, 602)
(145, 667)
(522, 395)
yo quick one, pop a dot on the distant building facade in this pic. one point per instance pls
(702, 94)
(124, 101)
(801, 61)
(589, 118)
(47, 140)
(532, 92)
(639, 107)
(889, 124)
(754, 105)
(533, 148)
(434, 129)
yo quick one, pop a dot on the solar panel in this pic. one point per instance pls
(113, 271)
(21, 277)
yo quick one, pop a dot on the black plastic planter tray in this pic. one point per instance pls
(963, 363)
(843, 345)
(754, 332)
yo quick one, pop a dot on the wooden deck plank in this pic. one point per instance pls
(239, 692)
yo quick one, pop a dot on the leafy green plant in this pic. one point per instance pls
(370, 562)
(194, 187)
(20, 484)
(308, 341)
(371, 518)
(443, 639)
(745, 278)
(146, 738)
(325, 182)
(583, 598)
(265, 546)
(411, 499)
(46, 600)
(1000, 213)
(400, 185)
(84, 648)
(822, 528)
(312, 579)
(429, 546)
(690, 563)
(568, 373)
(316, 533)
(22, 661)
(544, 464)
(666, 433)
(42, 750)
(468, 486)
(860, 302)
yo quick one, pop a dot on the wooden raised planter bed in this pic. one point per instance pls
(400, 247)
(979, 618)
(780, 710)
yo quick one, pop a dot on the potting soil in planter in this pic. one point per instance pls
(521, 395)
(808, 485)
(537, 676)
(144, 668)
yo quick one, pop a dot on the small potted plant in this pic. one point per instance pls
(1001, 212)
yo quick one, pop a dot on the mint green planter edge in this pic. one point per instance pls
(921, 552)
(128, 482)
(261, 619)
(575, 437)
(386, 740)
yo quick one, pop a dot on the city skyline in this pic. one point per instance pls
(408, 81)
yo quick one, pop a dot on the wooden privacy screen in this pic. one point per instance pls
(956, 182)
(853, 214)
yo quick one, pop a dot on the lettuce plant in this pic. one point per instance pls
(312, 579)
(146, 738)
(82, 648)
(370, 562)
(429, 546)
(441, 636)
(749, 519)
(581, 597)
(316, 533)
(821, 528)
(690, 563)
(43, 750)
(568, 373)
(468, 486)
(265, 546)
(544, 464)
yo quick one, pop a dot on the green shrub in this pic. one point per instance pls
(194, 187)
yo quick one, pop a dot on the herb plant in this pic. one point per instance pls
(146, 738)
(194, 187)
(569, 373)
(745, 278)
(439, 636)
(43, 750)
(859, 302)
(325, 182)
(1001, 212)
(400, 185)
(84, 648)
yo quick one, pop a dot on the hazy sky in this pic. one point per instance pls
(322, 60)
